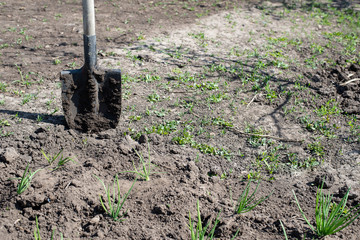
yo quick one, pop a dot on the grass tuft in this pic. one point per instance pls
(145, 167)
(246, 203)
(115, 204)
(198, 231)
(330, 217)
(25, 180)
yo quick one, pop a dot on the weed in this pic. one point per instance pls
(4, 122)
(270, 94)
(57, 16)
(62, 161)
(318, 125)
(134, 118)
(185, 138)
(57, 61)
(39, 118)
(3, 87)
(164, 128)
(25, 180)
(330, 108)
(218, 97)
(316, 148)
(207, 85)
(246, 203)
(154, 97)
(4, 133)
(150, 78)
(221, 122)
(270, 159)
(255, 139)
(330, 217)
(27, 98)
(115, 202)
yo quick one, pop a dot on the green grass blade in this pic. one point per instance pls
(37, 230)
(303, 214)
(283, 228)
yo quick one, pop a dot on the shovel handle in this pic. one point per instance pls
(89, 17)
(89, 34)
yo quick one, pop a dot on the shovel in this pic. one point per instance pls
(91, 96)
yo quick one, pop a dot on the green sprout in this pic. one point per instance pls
(115, 204)
(330, 217)
(25, 180)
(246, 203)
(198, 231)
(61, 160)
(283, 228)
(145, 167)
(37, 235)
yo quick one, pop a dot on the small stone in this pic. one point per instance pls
(9, 155)
(192, 167)
(100, 234)
(127, 145)
(95, 220)
(130, 140)
(76, 183)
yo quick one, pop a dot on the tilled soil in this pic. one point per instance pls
(193, 104)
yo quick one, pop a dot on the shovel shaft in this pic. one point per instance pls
(88, 17)
(89, 34)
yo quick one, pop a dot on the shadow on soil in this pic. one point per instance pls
(48, 118)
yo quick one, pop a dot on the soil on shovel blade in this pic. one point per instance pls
(91, 100)
(214, 94)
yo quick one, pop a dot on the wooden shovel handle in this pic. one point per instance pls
(89, 17)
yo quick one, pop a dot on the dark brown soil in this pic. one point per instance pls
(213, 92)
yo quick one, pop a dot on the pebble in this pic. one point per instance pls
(95, 220)
(9, 155)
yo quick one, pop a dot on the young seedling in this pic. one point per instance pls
(37, 235)
(197, 231)
(246, 203)
(25, 180)
(283, 228)
(50, 158)
(61, 160)
(115, 204)
(146, 167)
(330, 217)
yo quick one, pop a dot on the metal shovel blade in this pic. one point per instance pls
(91, 98)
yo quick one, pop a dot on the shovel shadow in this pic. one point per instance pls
(47, 118)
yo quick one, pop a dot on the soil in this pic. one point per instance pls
(198, 84)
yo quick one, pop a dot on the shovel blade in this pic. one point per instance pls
(91, 99)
